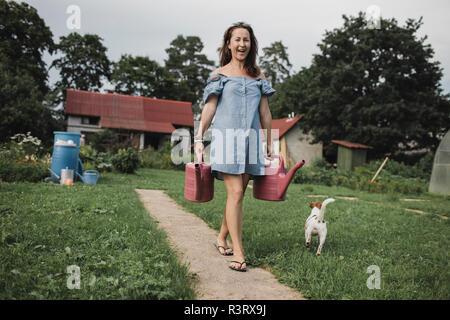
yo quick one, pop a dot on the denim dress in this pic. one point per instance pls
(236, 144)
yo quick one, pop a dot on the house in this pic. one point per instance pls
(146, 121)
(292, 143)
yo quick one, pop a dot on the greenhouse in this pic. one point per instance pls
(440, 176)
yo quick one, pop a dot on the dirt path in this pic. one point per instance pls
(194, 242)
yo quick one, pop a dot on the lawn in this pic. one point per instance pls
(105, 231)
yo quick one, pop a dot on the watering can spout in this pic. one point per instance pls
(80, 176)
(284, 183)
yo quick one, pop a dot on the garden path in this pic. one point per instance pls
(194, 241)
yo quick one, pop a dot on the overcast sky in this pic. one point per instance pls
(139, 27)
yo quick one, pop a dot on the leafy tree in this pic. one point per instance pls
(24, 38)
(378, 87)
(22, 108)
(83, 64)
(141, 76)
(275, 63)
(189, 68)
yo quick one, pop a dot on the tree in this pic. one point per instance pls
(83, 64)
(275, 63)
(189, 68)
(24, 38)
(378, 87)
(291, 92)
(141, 76)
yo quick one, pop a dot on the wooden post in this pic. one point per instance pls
(379, 169)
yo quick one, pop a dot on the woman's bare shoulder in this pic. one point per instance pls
(218, 70)
(261, 75)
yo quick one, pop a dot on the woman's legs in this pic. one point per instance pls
(232, 220)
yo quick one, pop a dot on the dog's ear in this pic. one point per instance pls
(315, 204)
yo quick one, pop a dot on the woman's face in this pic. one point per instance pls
(240, 43)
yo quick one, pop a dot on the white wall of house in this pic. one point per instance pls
(299, 145)
(74, 124)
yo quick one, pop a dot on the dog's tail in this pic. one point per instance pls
(324, 207)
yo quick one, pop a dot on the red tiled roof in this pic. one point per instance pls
(130, 112)
(136, 124)
(284, 124)
(351, 145)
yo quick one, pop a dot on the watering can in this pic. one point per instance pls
(66, 174)
(199, 182)
(273, 185)
(89, 176)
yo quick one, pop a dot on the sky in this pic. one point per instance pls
(146, 28)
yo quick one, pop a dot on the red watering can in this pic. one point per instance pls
(199, 182)
(274, 184)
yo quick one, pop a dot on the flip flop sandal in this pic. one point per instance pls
(240, 266)
(224, 249)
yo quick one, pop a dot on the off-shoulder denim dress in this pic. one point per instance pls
(236, 144)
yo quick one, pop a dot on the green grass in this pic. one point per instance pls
(112, 238)
(103, 229)
(410, 249)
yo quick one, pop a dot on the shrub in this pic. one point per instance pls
(125, 161)
(12, 171)
(360, 178)
(159, 159)
(92, 159)
(20, 160)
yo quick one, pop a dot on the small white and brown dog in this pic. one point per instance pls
(315, 224)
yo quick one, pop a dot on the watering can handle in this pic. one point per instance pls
(93, 171)
(273, 157)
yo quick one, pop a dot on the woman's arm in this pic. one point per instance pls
(265, 118)
(208, 112)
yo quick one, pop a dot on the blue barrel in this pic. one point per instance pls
(66, 136)
(65, 156)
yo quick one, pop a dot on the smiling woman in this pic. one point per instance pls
(236, 105)
(239, 41)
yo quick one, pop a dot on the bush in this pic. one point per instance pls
(12, 171)
(421, 169)
(125, 161)
(20, 160)
(159, 159)
(360, 178)
(94, 160)
(109, 141)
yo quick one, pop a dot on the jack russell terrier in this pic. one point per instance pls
(315, 224)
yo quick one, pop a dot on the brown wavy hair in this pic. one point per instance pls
(250, 61)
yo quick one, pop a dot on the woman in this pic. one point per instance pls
(236, 103)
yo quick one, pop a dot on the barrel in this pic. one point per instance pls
(67, 136)
(65, 152)
(63, 157)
